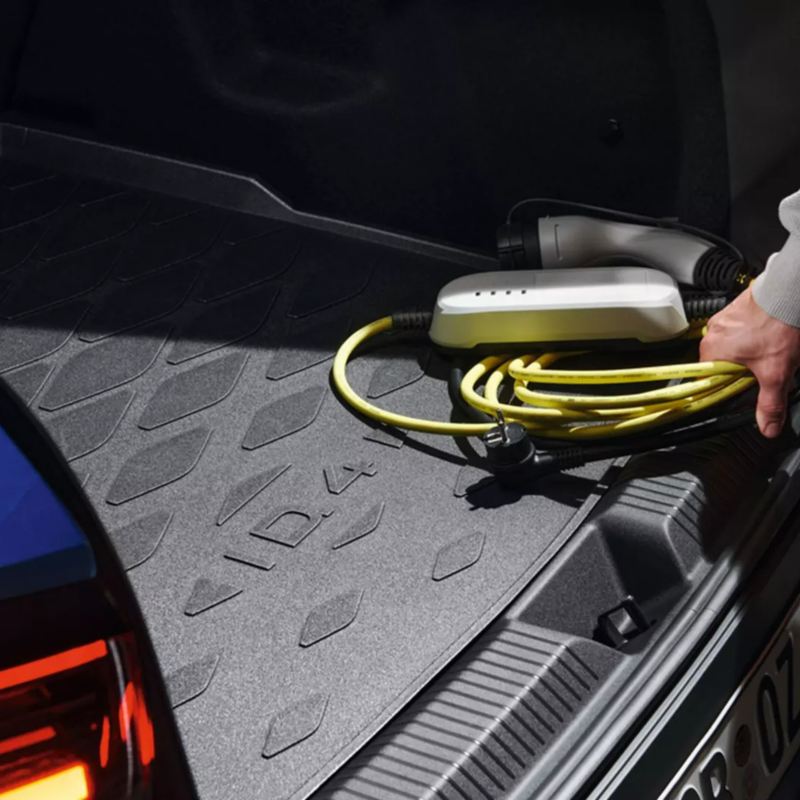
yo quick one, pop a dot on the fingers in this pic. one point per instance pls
(771, 406)
(745, 334)
(774, 385)
(714, 347)
(708, 349)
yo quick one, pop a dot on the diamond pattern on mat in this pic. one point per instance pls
(207, 594)
(387, 436)
(17, 243)
(190, 681)
(93, 222)
(14, 174)
(233, 268)
(48, 283)
(166, 209)
(278, 535)
(141, 302)
(396, 371)
(283, 417)
(248, 489)
(363, 526)
(330, 617)
(31, 201)
(139, 539)
(336, 271)
(259, 562)
(293, 724)
(307, 344)
(38, 335)
(102, 367)
(90, 191)
(458, 555)
(222, 324)
(248, 226)
(27, 381)
(193, 390)
(154, 247)
(82, 430)
(159, 464)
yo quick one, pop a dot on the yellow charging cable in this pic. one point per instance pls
(557, 415)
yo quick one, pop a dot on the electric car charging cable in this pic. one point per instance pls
(555, 415)
(520, 403)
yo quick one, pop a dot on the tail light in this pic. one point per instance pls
(74, 725)
(84, 713)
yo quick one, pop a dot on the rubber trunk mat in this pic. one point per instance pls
(302, 574)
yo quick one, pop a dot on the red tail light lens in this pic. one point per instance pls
(68, 783)
(74, 725)
(52, 665)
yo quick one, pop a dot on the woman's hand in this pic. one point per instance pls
(745, 334)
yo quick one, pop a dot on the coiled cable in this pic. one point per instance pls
(694, 388)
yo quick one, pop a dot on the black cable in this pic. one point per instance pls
(454, 380)
(505, 444)
(515, 462)
(700, 306)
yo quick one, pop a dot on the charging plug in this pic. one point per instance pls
(509, 449)
(514, 460)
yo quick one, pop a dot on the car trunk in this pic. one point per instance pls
(340, 608)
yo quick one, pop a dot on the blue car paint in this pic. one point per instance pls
(41, 546)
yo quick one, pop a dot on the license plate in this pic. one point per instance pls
(750, 745)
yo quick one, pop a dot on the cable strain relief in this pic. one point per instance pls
(412, 320)
(569, 457)
(518, 245)
(719, 270)
(699, 306)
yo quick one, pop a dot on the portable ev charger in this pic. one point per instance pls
(513, 308)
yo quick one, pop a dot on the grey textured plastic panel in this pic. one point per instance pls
(667, 517)
(481, 725)
(302, 574)
(693, 493)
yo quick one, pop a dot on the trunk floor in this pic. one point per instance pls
(302, 575)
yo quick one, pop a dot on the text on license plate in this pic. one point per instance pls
(753, 741)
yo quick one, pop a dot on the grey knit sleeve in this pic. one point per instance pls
(777, 289)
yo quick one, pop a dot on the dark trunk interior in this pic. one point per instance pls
(341, 609)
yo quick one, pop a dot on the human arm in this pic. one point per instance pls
(761, 328)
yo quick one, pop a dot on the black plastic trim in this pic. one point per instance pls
(490, 713)
(203, 184)
(661, 749)
(574, 770)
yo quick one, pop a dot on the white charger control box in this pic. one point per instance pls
(559, 305)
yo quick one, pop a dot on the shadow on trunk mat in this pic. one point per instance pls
(302, 575)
